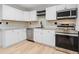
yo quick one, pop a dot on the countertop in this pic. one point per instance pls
(45, 28)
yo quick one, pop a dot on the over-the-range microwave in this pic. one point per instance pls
(67, 14)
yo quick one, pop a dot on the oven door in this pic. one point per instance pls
(67, 42)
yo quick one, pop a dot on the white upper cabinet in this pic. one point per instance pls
(60, 7)
(19, 15)
(78, 12)
(70, 6)
(0, 11)
(78, 8)
(33, 16)
(65, 6)
(51, 13)
(30, 16)
(10, 13)
(26, 16)
(77, 21)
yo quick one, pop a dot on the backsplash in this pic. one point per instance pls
(11, 24)
(53, 23)
(67, 21)
(33, 24)
(14, 24)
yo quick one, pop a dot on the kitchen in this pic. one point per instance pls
(55, 26)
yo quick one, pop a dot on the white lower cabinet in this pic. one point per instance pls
(21, 33)
(49, 37)
(11, 37)
(37, 35)
(44, 36)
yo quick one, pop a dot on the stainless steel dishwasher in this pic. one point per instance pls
(30, 32)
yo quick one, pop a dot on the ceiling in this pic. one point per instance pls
(30, 7)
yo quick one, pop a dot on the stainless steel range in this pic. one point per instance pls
(66, 36)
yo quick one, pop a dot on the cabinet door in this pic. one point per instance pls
(51, 13)
(78, 12)
(78, 9)
(60, 7)
(8, 13)
(19, 15)
(70, 6)
(33, 16)
(21, 34)
(49, 37)
(77, 21)
(52, 37)
(10, 38)
(45, 37)
(26, 16)
(0, 11)
(1, 39)
(38, 35)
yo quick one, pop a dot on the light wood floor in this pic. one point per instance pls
(26, 47)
